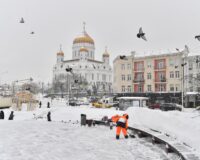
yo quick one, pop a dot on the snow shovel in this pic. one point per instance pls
(131, 135)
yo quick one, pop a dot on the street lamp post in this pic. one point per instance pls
(182, 65)
(182, 84)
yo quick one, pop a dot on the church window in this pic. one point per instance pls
(85, 66)
(92, 76)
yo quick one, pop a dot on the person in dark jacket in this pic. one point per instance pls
(11, 115)
(48, 105)
(2, 115)
(40, 104)
(49, 116)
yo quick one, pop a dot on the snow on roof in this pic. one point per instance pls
(194, 54)
(190, 93)
(133, 98)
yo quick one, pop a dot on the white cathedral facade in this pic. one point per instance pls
(97, 74)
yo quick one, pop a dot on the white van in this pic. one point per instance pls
(126, 102)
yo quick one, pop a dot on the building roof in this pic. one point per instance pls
(71, 60)
(92, 60)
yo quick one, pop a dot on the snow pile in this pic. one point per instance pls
(185, 126)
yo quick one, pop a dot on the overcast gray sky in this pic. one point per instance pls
(168, 24)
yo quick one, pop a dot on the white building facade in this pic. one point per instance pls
(97, 74)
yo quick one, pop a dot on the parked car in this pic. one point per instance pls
(74, 103)
(155, 106)
(170, 106)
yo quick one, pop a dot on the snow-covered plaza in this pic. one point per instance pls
(31, 137)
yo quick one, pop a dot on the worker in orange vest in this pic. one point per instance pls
(122, 125)
(115, 118)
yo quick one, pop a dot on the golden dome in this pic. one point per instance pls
(85, 38)
(106, 54)
(61, 53)
(83, 49)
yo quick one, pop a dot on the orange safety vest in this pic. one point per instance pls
(122, 121)
(115, 118)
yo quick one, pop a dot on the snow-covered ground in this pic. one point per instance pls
(26, 138)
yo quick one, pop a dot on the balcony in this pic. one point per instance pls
(160, 67)
(161, 80)
(138, 70)
(138, 81)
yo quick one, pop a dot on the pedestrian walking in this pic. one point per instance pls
(2, 114)
(40, 104)
(49, 116)
(11, 117)
(48, 105)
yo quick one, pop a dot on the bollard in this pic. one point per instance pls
(83, 119)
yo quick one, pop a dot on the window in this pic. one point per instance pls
(129, 77)
(171, 87)
(103, 77)
(177, 87)
(123, 88)
(171, 74)
(148, 75)
(149, 64)
(128, 66)
(190, 65)
(160, 87)
(177, 74)
(122, 66)
(149, 88)
(92, 76)
(171, 62)
(160, 65)
(140, 88)
(123, 77)
(97, 76)
(129, 88)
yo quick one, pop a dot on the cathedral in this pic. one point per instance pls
(96, 74)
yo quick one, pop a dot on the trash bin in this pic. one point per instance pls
(89, 122)
(83, 119)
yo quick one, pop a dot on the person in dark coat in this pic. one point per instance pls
(49, 116)
(11, 115)
(2, 115)
(40, 104)
(48, 105)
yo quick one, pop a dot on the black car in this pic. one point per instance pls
(74, 103)
(170, 107)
